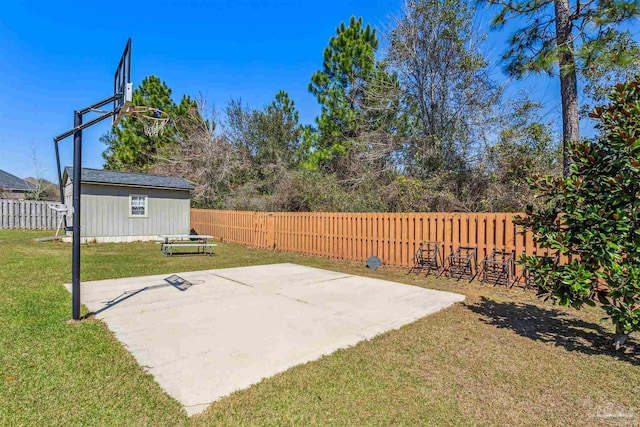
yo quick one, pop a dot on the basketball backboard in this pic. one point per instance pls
(122, 85)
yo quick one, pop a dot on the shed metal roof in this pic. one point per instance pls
(99, 176)
(12, 182)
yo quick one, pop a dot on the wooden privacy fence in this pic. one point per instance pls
(393, 237)
(27, 214)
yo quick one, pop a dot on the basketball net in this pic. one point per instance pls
(153, 120)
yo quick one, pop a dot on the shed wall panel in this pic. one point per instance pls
(105, 211)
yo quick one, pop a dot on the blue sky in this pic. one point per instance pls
(58, 56)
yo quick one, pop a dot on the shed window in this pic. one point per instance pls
(138, 205)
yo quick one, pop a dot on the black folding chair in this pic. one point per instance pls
(497, 268)
(463, 262)
(427, 258)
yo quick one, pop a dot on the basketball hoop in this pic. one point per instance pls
(153, 120)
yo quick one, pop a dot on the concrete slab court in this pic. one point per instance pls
(206, 334)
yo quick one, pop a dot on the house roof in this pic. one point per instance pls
(12, 182)
(33, 181)
(99, 176)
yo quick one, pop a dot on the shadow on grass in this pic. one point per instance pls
(553, 326)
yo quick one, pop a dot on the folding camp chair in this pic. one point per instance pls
(427, 258)
(462, 262)
(497, 268)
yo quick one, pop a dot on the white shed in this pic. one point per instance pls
(126, 207)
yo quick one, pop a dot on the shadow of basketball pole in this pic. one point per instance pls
(174, 280)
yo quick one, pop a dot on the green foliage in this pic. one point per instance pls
(277, 135)
(406, 133)
(600, 74)
(405, 194)
(306, 190)
(533, 47)
(583, 38)
(593, 217)
(309, 190)
(525, 148)
(128, 148)
(349, 71)
(267, 140)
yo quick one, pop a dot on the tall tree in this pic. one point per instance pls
(577, 36)
(445, 82)
(281, 132)
(267, 140)
(129, 148)
(341, 86)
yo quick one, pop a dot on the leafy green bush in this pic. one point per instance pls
(592, 217)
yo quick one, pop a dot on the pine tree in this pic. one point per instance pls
(577, 37)
(342, 85)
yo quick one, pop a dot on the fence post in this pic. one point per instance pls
(271, 243)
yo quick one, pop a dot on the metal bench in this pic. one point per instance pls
(462, 262)
(207, 248)
(497, 268)
(428, 257)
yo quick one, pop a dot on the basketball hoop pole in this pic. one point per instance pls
(78, 126)
(77, 180)
(121, 99)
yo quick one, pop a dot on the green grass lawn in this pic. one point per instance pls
(500, 358)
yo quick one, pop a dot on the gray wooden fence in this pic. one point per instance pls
(28, 214)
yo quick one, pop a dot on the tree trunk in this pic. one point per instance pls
(620, 338)
(568, 79)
